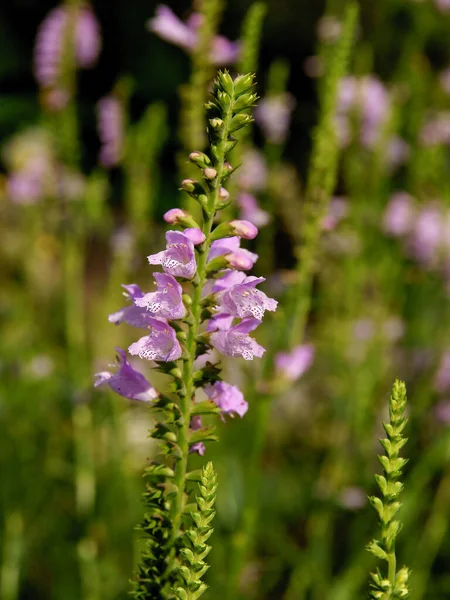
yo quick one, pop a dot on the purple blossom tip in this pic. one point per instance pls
(166, 302)
(174, 214)
(178, 259)
(160, 344)
(236, 342)
(251, 211)
(195, 234)
(133, 315)
(238, 258)
(291, 365)
(244, 229)
(228, 398)
(127, 382)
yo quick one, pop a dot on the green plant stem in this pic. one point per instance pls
(13, 542)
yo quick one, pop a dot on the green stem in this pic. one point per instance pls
(12, 557)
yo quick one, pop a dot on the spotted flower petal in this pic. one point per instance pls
(244, 300)
(178, 259)
(166, 301)
(236, 342)
(133, 315)
(127, 382)
(160, 344)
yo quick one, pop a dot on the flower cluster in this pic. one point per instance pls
(203, 298)
(50, 47)
(185, 35)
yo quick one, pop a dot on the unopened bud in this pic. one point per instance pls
(200, 159)
(210, 173)
(195, 234)
(244, 229)
(178, 216)
(223, 194)
(188, 185)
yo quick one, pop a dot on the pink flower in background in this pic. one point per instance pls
(292, 365)
(127, 381)
(337, 210)
(195, 425)
(252, 174)
(170, 28)
(442, 378)
(110, 124)
(24, 187)
(399, 215)
(436, 130)
(427, 235)
(443, 5)
(397, 151)
(51, 40)
(369, 99)
(273, 114)
(251, 211)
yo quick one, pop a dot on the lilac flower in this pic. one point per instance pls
(238, 257)
(427, 235)
(227, 280)
(50, 42)
(166, 302)
(185, 35)
(174, 214)
(273, 115)
(399, 215)
(110, 130)
(236, 341)
(198, 447)
(195, 234)
(253, 173)
(251, 211)
(178, 259)
(24, 187)
(397, 151)
(160, 344)
(244, 300)
(443, 5)
(220, 322)
(292, 365)
(442, 379)
(337, 210)
(369, 98)
(228, 398)
(133, 315)
(127, 382)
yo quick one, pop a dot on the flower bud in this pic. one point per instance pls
(240, 261)
(178, 216)
(210, 173)
(244, 229)
(223, 194)
(200, 159)
(195, 234)
(188, 185)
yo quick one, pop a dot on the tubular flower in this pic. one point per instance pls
(238, 258)
(228, 398)
(166, 301)
(236, 342)
(244, 300)
(178, 259)
(160, 344)
(110, 129)
(292, 365)
(133, 315)
(127, 382)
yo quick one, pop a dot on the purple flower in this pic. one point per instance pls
(251, 211)
(24, 187)
(174, 214)
(244, 300)
(160, 344)
(442, 412)
(110, 130)
(127, 382)
(442, 379)
(133, 315)
(170, 28)
(195, 234)
(337, 210)
(220, 322)
(236, 341)
(399, 215)
(427, 235)
(178, 259)
(253, 173)
(273, 115)
(238, 257)
(50, 41)
(292, 365)
(228, 398)
(436, 130)
(185, 35)
(198, 447)
(227, 280)
(166, 302)
(443, 5)
(367, 97)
